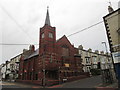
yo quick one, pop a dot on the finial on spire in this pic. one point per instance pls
(47, 7)
(47, 21)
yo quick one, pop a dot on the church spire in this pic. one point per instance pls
(47, 20)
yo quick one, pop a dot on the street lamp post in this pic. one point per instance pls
(106, 50)
(109, 68)
(105, 46)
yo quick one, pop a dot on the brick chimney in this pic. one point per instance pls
(102, 52)
(89, 50)
(110, 9)
(32, 48)
(96, 51)
(80, 47)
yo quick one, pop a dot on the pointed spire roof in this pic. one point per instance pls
(47, 20)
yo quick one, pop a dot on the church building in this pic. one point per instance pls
(55, 61)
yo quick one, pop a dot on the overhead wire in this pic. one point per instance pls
(68, 35)
(1, 6)
(91, 26)
(85, 29)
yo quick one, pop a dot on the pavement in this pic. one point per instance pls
(18, 85)
(113, 86)
(90, 82)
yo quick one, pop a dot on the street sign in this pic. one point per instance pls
(67, 65)
(116, 57)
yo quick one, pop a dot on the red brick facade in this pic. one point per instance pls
(53, 62)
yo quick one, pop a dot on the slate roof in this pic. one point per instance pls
(33, 54)
(47, 20)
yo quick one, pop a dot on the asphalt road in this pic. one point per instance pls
(91, 82)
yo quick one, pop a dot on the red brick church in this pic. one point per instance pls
(53, 62)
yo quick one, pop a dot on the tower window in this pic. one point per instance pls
(43, 35)
(50, 35)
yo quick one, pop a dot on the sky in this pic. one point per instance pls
(21, 20)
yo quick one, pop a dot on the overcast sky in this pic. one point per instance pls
(21, 19)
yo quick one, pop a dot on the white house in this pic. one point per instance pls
(3, 71)
(91, 60)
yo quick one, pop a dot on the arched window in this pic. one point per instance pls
(50, 35)
(43, 35)
(65, 50)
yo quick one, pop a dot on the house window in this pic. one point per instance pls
(43, 35)
(94, 60)
(12, 67)
(50, 35)
(87, 69)
(87, 60)
(118, 30)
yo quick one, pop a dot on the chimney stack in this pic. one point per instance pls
(102, 52)
(32, 48)
(90, 50)
(96, 51)
(80, 47)
(110, 9)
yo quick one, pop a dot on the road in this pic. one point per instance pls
(18, 85)
(91, 82)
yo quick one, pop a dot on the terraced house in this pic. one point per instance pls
(95, 59)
